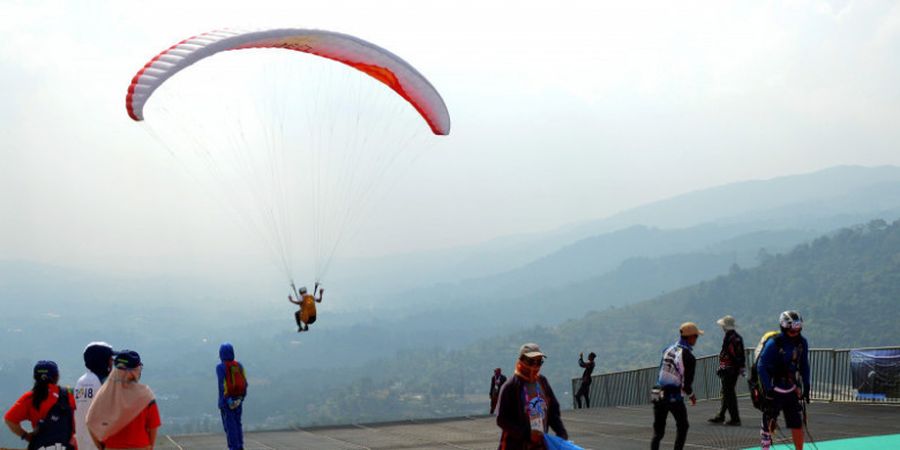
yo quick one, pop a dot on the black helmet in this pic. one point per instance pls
(790, 320)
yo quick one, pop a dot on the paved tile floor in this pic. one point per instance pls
(623, 428)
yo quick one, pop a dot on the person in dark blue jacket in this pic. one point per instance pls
(231, 376)
(783, 368)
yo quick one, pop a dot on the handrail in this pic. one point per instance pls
(830, 368)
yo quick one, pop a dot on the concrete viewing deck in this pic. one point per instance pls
(602, 428)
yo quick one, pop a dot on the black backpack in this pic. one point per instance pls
(56, 429)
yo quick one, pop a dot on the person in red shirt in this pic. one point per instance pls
(124, 414)
(42, 402)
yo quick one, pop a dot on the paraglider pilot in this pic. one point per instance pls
(306, 315)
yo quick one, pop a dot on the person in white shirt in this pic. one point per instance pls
(98, 357)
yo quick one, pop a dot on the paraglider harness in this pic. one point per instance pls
(757, 391)
(56, 429)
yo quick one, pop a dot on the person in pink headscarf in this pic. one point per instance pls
(124, 414)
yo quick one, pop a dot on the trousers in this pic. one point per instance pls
(729, 395)
(661, 410)
(234, 433)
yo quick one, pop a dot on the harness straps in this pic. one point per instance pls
(784, 371)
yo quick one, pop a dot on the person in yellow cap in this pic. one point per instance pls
(676, 375)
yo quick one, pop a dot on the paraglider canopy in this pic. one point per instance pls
(300, 144)
(375, 61)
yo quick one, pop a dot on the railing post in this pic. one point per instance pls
(833, 373)
(705, 378)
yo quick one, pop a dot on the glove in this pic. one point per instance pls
(693, 399)
(806, 396)
(743, 372)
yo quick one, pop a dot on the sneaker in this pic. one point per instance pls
(716, 419)
(733, 423)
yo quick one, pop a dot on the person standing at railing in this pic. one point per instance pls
(676, 377)
(731, 365)
(783, 368)
(584, 391)
(496, 383)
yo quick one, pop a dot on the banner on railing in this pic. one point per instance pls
(876, 373)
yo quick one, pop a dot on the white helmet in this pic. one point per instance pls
(791, 320)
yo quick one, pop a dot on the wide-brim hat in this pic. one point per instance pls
(727, 323)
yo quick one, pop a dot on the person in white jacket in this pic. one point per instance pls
(98, 358)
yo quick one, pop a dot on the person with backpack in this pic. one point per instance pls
(784, 378)
(584, 391)
(98, 358)
(306, 315)
(676, 378)
(731, 365)
(528, 408)
(232, 380)
(124, 414)
(49, 408)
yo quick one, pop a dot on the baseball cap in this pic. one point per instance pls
(127, 359)
(531, 350)
(45, 370)
(690, 329)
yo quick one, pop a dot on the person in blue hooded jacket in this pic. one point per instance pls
(783, 369)
(232, 381)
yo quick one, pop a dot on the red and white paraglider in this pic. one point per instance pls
(295, 143)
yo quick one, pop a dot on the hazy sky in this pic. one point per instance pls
(562, 112)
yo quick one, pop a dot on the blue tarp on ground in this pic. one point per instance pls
(558, 443)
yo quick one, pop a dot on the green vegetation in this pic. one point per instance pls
(845, 284)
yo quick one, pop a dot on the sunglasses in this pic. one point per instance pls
(533, 362)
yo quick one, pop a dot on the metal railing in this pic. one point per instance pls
(830, 374)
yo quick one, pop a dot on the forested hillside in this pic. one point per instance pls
(846, 285)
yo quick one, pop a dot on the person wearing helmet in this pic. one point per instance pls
(98, 359)
(306, 315)
(676, 378)
(783, 368)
